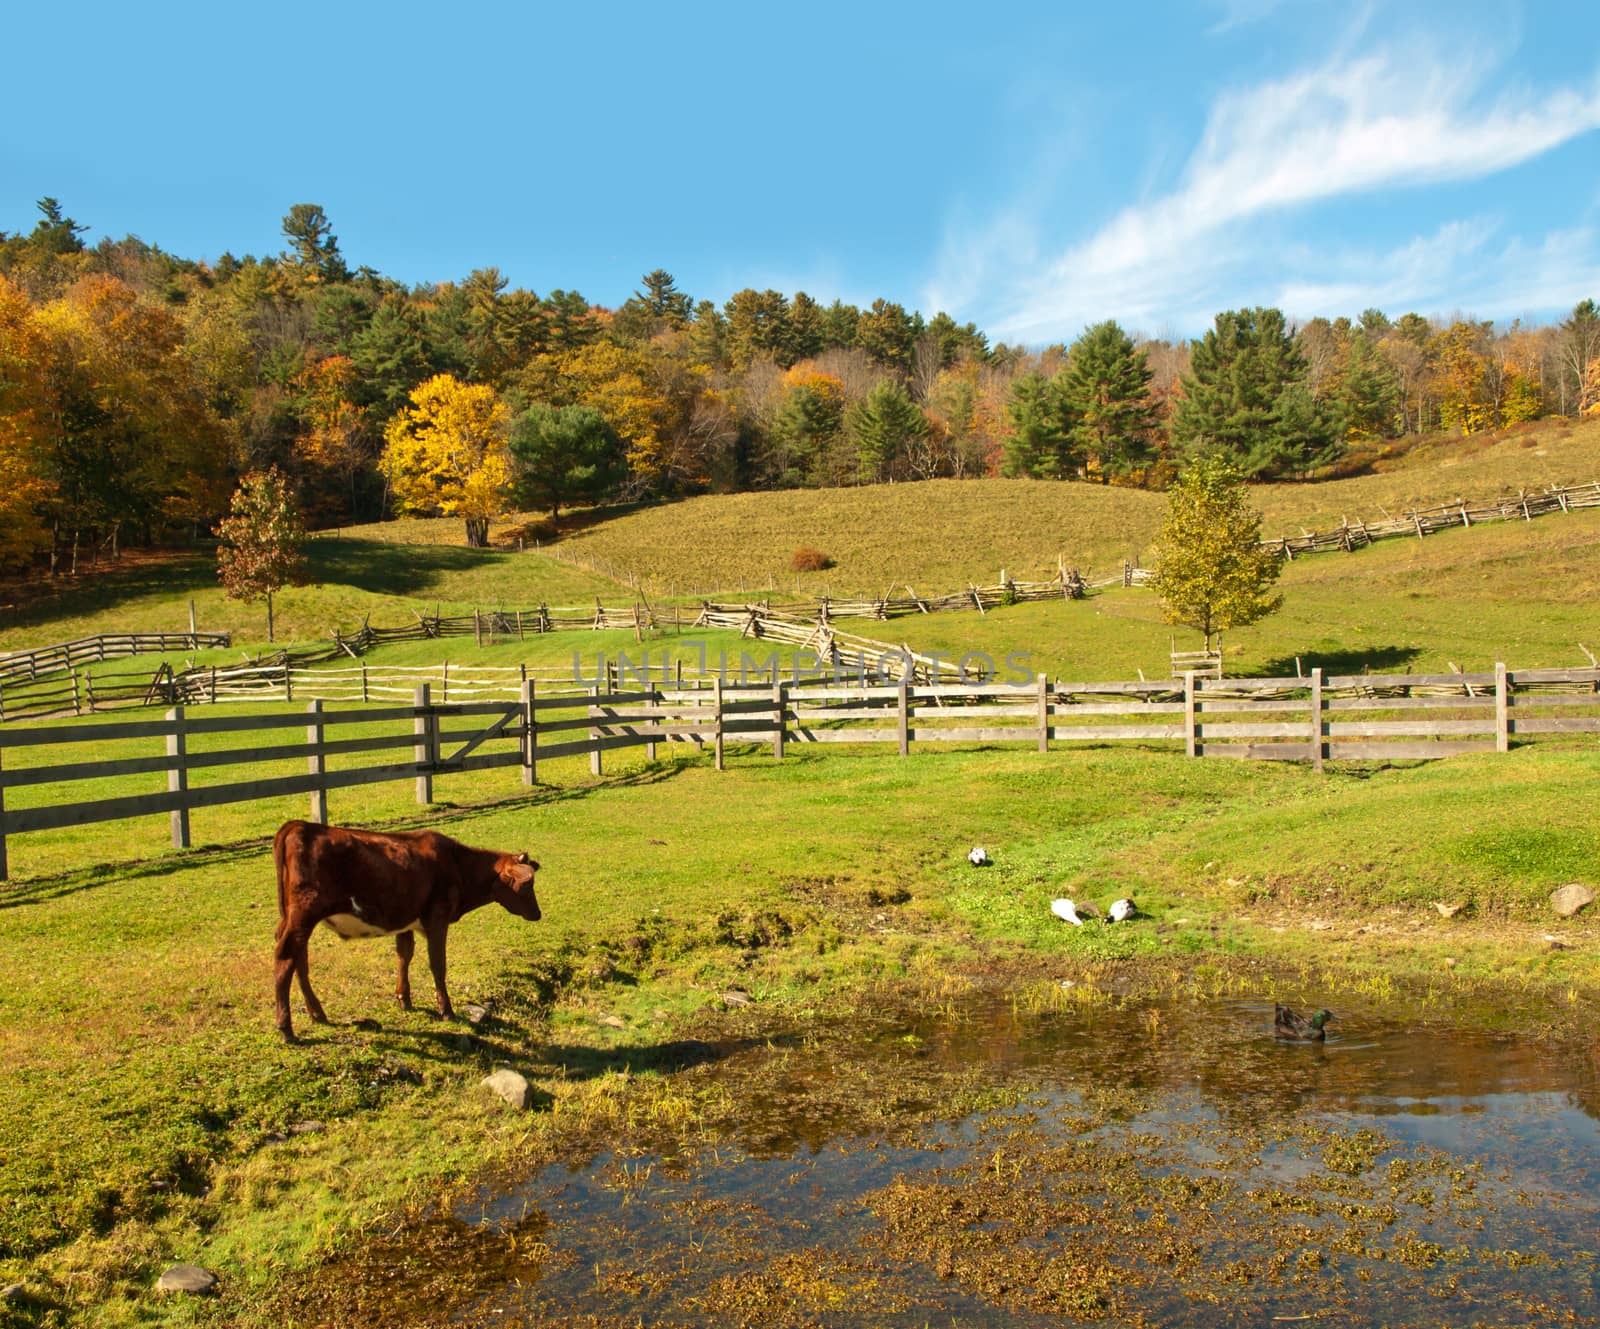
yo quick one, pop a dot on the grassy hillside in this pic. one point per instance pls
(1440, 469)
(936, 535)
(1519, 592)
(350, 577)
(941, 534)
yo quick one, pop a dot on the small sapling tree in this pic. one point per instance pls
(1211, 571)
(261, 541)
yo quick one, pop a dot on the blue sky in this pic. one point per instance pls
(1033, 167)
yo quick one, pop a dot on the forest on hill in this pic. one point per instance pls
(137, 387)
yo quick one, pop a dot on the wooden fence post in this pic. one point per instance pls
(1502, 708)
(716, 700)
(596, 766)
(652, 700)
(363, 680)
(1190, 736)
(421, 727)
(1044, 713)
(1317, 745)
(77, 704)
(178, 777)
(3, 866)
(779, 705)
(477, 628)
(316, 762)
(530, 734)
(903, 717)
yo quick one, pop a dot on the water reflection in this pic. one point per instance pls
(1141, 1163)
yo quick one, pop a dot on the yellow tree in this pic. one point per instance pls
(336, 435)
(1589, 401)
(22, 398)
(446, 453)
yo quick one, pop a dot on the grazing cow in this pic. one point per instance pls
(367, 884)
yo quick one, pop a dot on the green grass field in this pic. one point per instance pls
(149, 1108)
(660, 885)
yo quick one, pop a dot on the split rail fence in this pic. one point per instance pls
(1315, 719)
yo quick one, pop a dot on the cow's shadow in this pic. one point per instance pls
(406, 1052)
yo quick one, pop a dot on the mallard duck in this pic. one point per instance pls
(1286, 1024)
(1121, 911)
(978, 856)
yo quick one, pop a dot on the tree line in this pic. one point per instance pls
(137, 387)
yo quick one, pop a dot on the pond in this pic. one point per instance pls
(990, 1163)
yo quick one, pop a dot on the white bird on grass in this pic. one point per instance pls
(1066, 909)
(1121, 911)
(978, 856)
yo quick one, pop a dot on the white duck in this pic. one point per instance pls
(1121, 911)
(1066, 909)
(978, 856)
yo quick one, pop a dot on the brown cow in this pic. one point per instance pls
(367, 884)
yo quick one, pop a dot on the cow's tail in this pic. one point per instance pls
(280, 860)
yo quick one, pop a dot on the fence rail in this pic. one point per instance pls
(67, 655)
(1315, 719)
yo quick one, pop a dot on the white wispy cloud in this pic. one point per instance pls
(1355, 125)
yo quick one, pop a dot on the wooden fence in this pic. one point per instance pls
(1419, 522)
(46, 660)
(1315, 719)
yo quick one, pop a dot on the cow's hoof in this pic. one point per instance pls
(289, 1035)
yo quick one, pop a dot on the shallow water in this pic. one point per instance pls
(1137, 1163)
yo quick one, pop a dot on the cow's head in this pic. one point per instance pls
(514, 885)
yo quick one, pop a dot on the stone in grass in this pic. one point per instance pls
(187, 1278)
(1569, 899)
(15, 1293)
(508, 1085)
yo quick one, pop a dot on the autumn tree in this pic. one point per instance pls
(447, 453)
(1211, 570)
(22, 403)
(563, 454)
(261, 539)
(337, 433)
(130, 440)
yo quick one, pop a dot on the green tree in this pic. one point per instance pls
(316, 247)
(1244, 397)
(885, 426)
(55, 232)
(1037, 442)
(888, 334)
(564, 454)
(1105, 392)
(1212, 572)
(261, 539)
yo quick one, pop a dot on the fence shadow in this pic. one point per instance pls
(59, 885)
(1372, 659)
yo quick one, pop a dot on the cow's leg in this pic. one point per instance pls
(436, 935)
(283, 971)
(297, 940)
(290, 957)
(405, 945)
